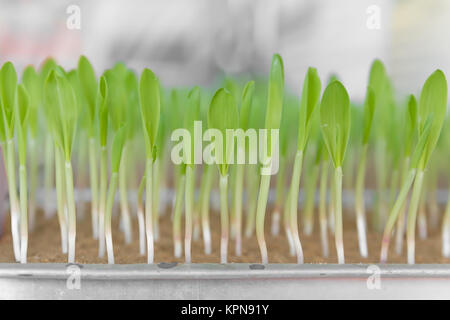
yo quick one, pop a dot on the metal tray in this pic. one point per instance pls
(228, 281)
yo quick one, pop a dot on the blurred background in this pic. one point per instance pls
(189, 42)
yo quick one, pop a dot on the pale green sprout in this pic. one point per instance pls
(312, 168)
(431, 115)
(379, 82)
(32, 83)
(433, 101)
(256, 121)
(410, 127)
(50, 152)
(61, 110)
(120, 85)
(8, 85)
(335, 126)
(309, 101)
(116, 156)
(369, 108)
(205, 189)
(323, 184)
(22, 114)
(180, 180)
(102, 105)
(191, 115)
(272, 122)
(446, 217)
(247, 98)
(89, 87)
(149, 98)
(223, 115)
(287, 130)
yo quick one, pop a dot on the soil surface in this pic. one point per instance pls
(44, 245)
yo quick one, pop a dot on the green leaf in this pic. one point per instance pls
(247, 98)
(433, 100)
(8, 86)
(61, 111)
(275, 96)
(102, 106)
(335, 121)
(23, 103)
(47, 66)
(378, 82)
(369, 108)
(421, 144)
(22, 111)
(192, 115)
(30, 79)
(149, 99)
(69, 112)
(88, 82)
(223, 115)
(274, 99)
(117, 148)
(289, 126)
(117, 99)
(74, 81)
(32, 82)
(410, 125)
(309, 101)
(2, 124)
(232, 87)
(51, 109)
(132, 93)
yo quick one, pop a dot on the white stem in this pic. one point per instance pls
(149, 211)
(14, 202)
(362, 239)
(308, 228)
(72, 211)
(124, 206)
(102, 204)
(338, 218)
(324, 238)
(64, 234)
(94, 186)
(294, 190)
(188, 200)
(422, 226)
(275, 229)
(141, 223)
(446, 243)
(177, 249)
(207, 239)
(224, 218)
(23, 214)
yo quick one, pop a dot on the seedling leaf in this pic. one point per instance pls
(335, 121)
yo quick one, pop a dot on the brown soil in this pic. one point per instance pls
(44, 246)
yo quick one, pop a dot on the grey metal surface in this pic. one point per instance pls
(231, 281)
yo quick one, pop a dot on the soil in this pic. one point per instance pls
(44, 246)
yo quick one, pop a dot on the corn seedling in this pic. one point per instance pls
(335, 125)
(114, 135)
(309, 100)
(222, 116)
